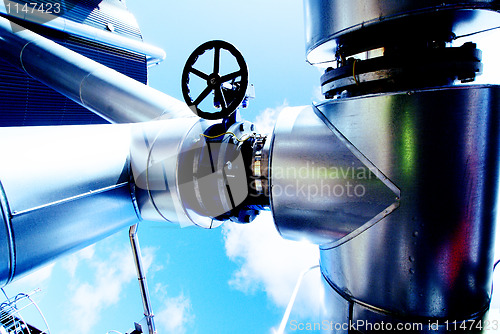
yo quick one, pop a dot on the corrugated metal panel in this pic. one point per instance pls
(27, 102)
(128, 63)
(98, 14)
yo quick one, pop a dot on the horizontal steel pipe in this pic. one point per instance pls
(61, 189)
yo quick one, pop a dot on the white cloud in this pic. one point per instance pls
(174, 315)
(70, 263)
(110, 276)
(272, 263)
(268, 261)
(266, 119)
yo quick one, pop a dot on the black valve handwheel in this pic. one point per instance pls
(229, 100)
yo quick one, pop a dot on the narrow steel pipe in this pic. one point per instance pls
(111, 95)
(289, 307)
(141, 276)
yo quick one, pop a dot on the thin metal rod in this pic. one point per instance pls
(141, 276)
(476, 32)
(288, 310)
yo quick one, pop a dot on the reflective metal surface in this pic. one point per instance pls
(326, 21)
(63, 188)
(431, 258)
(155, 151)
(106, 92)
(189, 172)
(322, 188)
(212, 172)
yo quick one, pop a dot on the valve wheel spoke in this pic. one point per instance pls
(230, 76)
(202, 96)
(199, 73)
(226, 99)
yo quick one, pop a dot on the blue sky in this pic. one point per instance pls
(234, 279)
(227, 280)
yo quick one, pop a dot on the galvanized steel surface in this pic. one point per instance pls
(63, 188)
(322, 189)
(432, 257)
(327, 20)
(155, 151)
